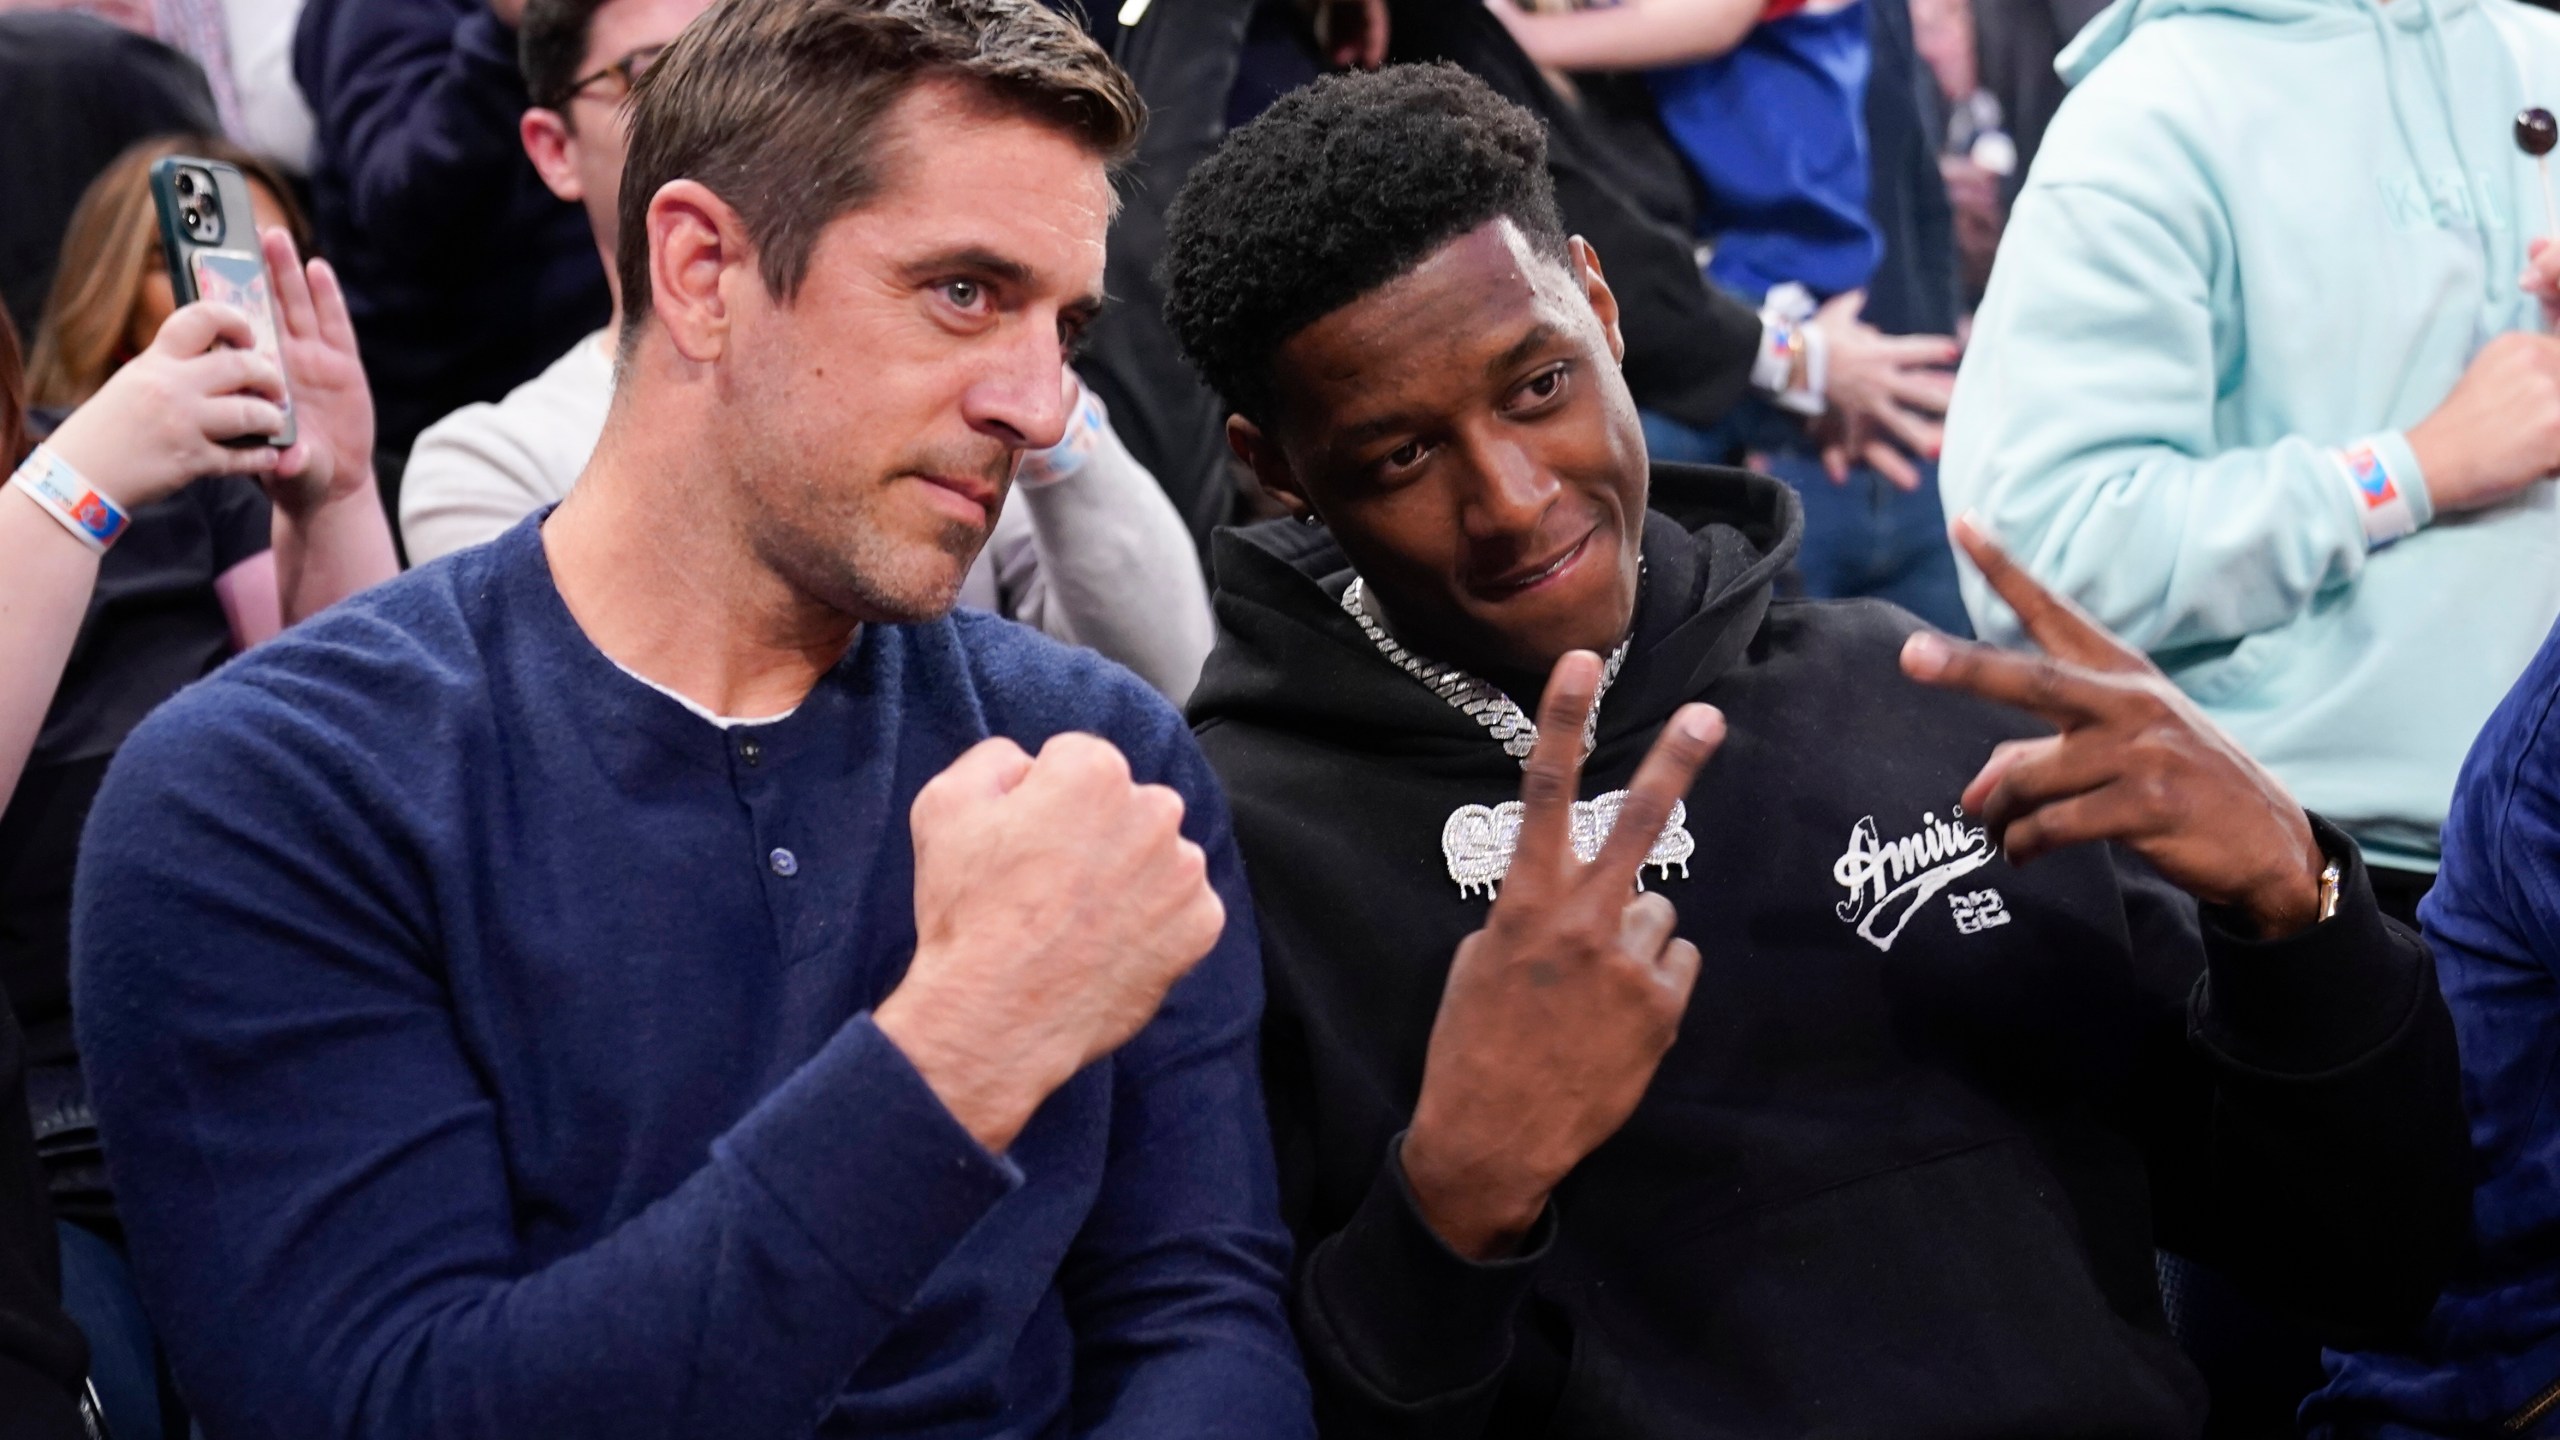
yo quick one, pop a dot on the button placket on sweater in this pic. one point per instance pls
(755, 775)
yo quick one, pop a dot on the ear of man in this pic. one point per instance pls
(1595, 288)
(551, 147)
(1271, 469)
(700, 262)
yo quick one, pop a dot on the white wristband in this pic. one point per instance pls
(1787, 336)
(1775, 365)
(2380, 503)
(49, 480)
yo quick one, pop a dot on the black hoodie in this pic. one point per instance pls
(1903, 1172)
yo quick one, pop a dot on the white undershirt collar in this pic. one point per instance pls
(725, 722)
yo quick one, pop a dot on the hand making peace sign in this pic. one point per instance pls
(1558, 1011)
(2135, 761)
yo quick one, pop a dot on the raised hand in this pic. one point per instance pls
(1056, 902)
(332, 453)
(2135, 761)
(1557, 1012)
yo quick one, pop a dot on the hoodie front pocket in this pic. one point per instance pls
(1954, 1296)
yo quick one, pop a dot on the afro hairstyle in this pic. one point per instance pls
(1336, 190)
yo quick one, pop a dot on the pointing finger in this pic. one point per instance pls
(2039, 684)
(2061, 627)
(1553, 775)
(1660, 783)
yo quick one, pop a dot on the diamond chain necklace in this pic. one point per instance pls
(1478, 700)
(1479, 840)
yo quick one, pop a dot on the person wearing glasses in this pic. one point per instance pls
(477, 470)
(465, 274)
(1090, 550)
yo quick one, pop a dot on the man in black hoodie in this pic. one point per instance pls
(1852, 1123)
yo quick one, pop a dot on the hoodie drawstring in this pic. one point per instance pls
(2440, 79)
(2474, 181)
(2391, 85)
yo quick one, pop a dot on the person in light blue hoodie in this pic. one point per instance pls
(2256, 383)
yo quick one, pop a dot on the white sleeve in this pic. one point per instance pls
(476, 472)
(1112, 566)
(274, 116)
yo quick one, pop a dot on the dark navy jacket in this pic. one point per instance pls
(2488, 1361)
(482, 1046)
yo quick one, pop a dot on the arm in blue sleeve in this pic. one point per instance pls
(2494, 920)
(1175, 1284)
(2083, 433)
(310, 1168)
(2510, 813)
(419, 101)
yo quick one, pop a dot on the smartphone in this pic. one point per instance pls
(209, 233)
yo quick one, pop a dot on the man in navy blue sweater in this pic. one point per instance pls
(497, 1036)
(2487, 1361)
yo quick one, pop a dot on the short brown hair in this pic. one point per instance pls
(776, 107)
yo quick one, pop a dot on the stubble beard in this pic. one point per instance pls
(834, 546)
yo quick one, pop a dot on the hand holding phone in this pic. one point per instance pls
(174, 412)
(209, 235)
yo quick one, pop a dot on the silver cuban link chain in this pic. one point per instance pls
(1478, 700)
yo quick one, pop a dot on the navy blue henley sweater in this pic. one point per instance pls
(482, 1046)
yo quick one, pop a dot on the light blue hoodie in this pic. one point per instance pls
(2260, 231)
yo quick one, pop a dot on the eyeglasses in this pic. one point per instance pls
(628, 70)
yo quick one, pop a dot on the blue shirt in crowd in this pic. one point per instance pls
(2488, 1359)
(482, 1046)
(1776, 131)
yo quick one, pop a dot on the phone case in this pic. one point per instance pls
(210, 239)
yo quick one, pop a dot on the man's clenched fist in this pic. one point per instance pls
(1056, 902)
